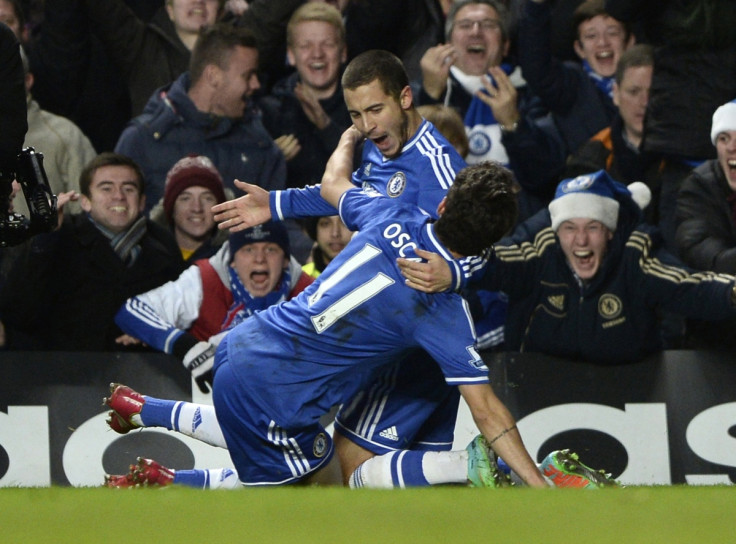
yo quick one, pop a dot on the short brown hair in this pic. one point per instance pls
(589, 9)
(380, 65)
(107, 158)
(635, 56)
(215, 45)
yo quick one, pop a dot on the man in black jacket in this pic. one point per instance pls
(62, 294)
(706, 220)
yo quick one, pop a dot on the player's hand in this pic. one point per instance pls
(435, 65)
(311, 106)
(127, 340)
(245, 211)
(431, 277)
(289, 146)
(199, 360)
(352, 136)
(501, 97)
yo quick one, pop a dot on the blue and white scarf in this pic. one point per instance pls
(245, 305)
(604, 84)
(484, 132)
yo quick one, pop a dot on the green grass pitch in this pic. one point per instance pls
(670, 514)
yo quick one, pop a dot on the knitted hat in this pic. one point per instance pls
(192, 170)
(594, 196)
(724, 119)
(269, 231)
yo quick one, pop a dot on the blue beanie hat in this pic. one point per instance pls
(269, 231)
(594, 196)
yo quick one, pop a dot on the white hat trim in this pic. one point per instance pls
(586, 206)
(724, 119)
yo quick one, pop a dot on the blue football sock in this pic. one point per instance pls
(158, 412)
(192, 478)
(407, 469)
(216, 478)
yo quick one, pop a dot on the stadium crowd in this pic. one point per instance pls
(159, 120)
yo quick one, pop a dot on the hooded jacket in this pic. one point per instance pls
(172, 127)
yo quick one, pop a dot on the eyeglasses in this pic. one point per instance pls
(486, 25)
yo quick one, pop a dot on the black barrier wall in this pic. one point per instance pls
(670, 419)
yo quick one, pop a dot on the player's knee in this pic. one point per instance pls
(350, 454)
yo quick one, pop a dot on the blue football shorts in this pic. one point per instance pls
(263, 453)
(410, 406)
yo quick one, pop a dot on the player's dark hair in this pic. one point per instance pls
(481, 207)
(107, 158)
(380, 65)
(634, 57)
(592, 8)
(215, 44)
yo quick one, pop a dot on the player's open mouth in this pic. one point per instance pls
(318, 65)
(732, 164)
(477, 49)
(379, 141)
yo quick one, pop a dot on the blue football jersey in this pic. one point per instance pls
(298, 359)
(420, 175)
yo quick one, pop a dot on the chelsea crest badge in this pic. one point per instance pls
(396, 184)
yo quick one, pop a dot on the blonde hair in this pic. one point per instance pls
(315, 11)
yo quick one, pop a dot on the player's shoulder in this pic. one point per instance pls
(429, 140)
(430, 150)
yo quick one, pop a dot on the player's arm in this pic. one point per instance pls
(497, 425)
(336, 179)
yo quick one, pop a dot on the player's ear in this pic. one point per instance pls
(441, 206)
(406, 98)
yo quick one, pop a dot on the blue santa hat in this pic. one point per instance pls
(594, 196)
(724, 119)
(270, 231)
